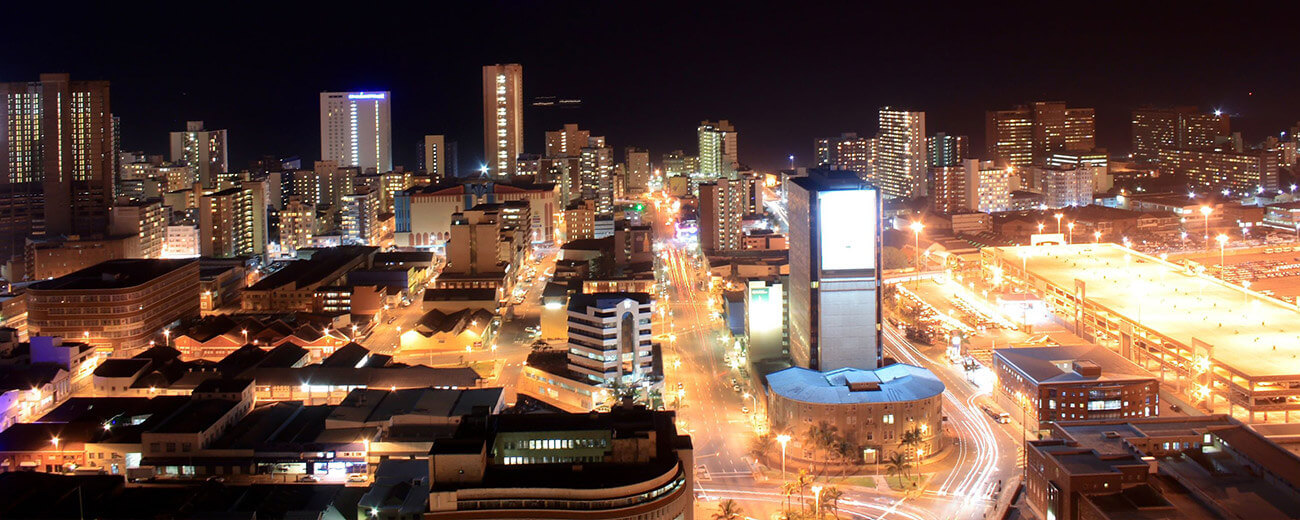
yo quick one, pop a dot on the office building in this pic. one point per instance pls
(609, 338)
(767, 324)
(435, 157)
(596, 175)
(718, 154)
(849, 152)
(56, 160)
(722, 206)
(355, 130)
(423, 213)
(503, 118)
(946, 150)
(472, 245)
(1072, 382)
(53, 258)
(900, 169)
(121, 306)
(294, 287)
(204, 151)
(629, 462)
(638, 171)
(146, 220)
(834, 220)
(1182, 128)
(360, 218)
(1027, 135)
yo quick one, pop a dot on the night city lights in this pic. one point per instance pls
(650, 261)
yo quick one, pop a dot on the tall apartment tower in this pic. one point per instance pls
(901, 154)
(835, 279)
(1027, 135)
(355, 130)
(1009, 136)
(638, 170)
(1178, 128)
(204, 151)
(946, 150)
(232, 222)
(435, 156)
(56, 160)
(503, 118)
(722, 206)
(718, 152)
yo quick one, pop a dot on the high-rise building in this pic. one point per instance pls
(56, 160)
(722, 206)
(202, 150)
(1181, 128)
(503, 117)
(948, 188)
(718, 153)
(834, 220)
(637, 170)
(849, 152)
(435, 157)
(609, 337)
(596, 175)
(146, 219)
(297, 224)
(232, 222)
(900, 169)
(677, 163)
(1064, 186)
(988, 187)
(1245, 171)
(355, 130)
(946, 150)
(361, 217)
(1027, 135)
(566, 142)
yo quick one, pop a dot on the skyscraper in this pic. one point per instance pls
(1009, 136)
(718, 153)
(204, 151)
(1027, 135)
(435, 157)
(835, 280)
(355, 130)
(503, 117)
(232, 222)
(722, 207)
(946, 150)
(1179, 128)
(56, 159)
(638, 170)
(901, 154)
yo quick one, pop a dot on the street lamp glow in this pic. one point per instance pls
(783, 439)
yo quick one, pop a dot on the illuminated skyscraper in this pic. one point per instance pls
(718, 152)
(202, 150)
(1027, 135)
(56, 159)
(355, 130)
(900, 167)
(1179, 128)
(946, 150)
(435, 157)
(638, 170)
(834, 285)
(1009, 136)
(503, 117)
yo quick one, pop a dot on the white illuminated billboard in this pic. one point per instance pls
(848, 227)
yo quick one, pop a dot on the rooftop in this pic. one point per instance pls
(893, 383)
(1062, 364)
(113, 274)
(580, 302)
(1245, 331)
(316, 269)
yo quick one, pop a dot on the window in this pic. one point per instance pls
(887, 418)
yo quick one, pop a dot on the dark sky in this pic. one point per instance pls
(648, 73)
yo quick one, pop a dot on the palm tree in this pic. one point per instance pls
(789, 488)
(846, 452)
(897, 464)
(831, 500)
(728, 510)
(820, 436)
(911, 439)
(801, 482)
(763, 445)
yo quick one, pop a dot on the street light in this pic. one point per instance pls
(55, 441)
(167, 337)
(1223, 241)
(245, 331)
(1058, 222)
(1206, 210)
(783, 439)
(1096, 237)
(817, 500)
(1070, 226)
(1040, 228)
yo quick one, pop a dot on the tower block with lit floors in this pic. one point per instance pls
(839, 376)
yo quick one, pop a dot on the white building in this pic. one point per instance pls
(1065, 186)
(900, 167)
(718, 149)
(988, 188)
(609, 337)
(355, 130)
(182, 242)
(361, 218)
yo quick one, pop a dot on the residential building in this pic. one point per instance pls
(1181, 128)
(297, 225)
(294, 287)
(146, 219)
(900, 169)
(53, 258)
(423, 213)
(204, 151)
(638, 170)
(834, 272)
(1009, 136)
(1214, 170)
(1027, 135)
(503, 118)
(120, 306)
(435, 157)
(182, 242)
(946, 150)
(1065, 185)
(232, 222)
(988, 187)
(356, 130)
(56, 160)
(718, 154)
(360, 218)
(722, 206)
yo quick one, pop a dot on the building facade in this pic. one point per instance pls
(609, 338)
(503, 118)
(900, 168)
(718, 154)
(356, 130)
(202, 150)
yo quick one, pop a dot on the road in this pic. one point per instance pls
(711, 412)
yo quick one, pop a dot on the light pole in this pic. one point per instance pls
(245, 331)
(1206, 210)
(167, 337)
(55, 441)
(1223, 241)
(817, 501)
(1040, 228)
(1245, 293)
(783, 439)
(917, 226)
(1070, 227)
(791, 162)
(1058, 222)
(1096, 237)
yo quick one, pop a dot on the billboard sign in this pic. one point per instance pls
(848, 223)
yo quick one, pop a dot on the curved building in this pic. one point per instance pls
(871, 408)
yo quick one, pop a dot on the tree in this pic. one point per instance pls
(728, 510)
(821, 437)
(801, 482)
(910, 440)
(831, 500)
(897, 464)
(788, 488)
(894, 258)
(847, 453)
(763, 445)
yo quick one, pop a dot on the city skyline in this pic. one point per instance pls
(774, 71)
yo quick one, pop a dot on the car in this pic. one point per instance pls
(308, 478)
(358, 477)
(680, 385)
(1175, 408)
(216, 479)
(744, 409)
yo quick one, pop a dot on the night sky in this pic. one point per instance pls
(647, 74)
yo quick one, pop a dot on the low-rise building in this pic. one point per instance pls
(1066, 383)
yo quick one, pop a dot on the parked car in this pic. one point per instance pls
(308, 478)
(358, 477)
